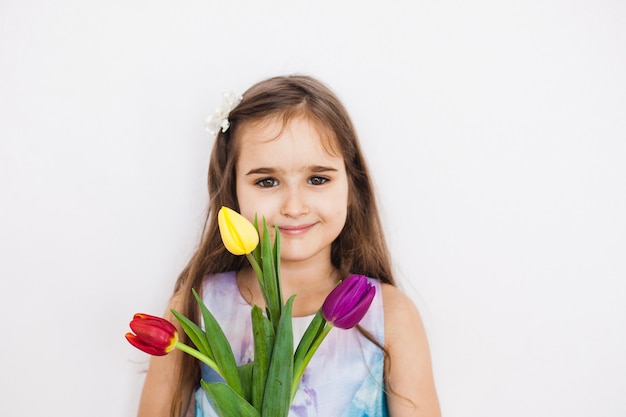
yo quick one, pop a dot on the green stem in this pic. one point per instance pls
(200, 356)
(257, 268)
(297, 376)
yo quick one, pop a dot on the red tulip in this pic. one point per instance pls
(348, 302)
(153, 335)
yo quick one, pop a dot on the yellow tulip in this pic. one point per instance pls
(238, 234)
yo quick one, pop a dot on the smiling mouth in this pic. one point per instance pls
(295, 230)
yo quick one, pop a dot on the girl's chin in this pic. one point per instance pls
(294, 254)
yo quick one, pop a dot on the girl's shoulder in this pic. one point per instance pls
(395, 299)
(400, 312)
(409, 373)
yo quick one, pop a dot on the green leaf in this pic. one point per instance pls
(277, 396)
(257, 250)
(273, 303)
(227, 402)
(255, 257)
(303, 360)
(312, 332)
(195, 333)
(220, 347)
(263, 345)
(277, 264)
(245, 374)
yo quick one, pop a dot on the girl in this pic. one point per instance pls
(288, 152)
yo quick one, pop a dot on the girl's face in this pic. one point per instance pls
(287, 176)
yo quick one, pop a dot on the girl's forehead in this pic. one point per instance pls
(297, 132)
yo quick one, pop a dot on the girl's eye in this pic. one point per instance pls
(317, 180)
(267, 182)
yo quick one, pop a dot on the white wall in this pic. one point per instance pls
(495, 131)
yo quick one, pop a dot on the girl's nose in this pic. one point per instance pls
(293, 204)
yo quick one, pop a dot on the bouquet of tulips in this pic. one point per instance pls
(266, 386)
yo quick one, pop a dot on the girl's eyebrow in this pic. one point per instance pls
(260, 171)
(320, 168)
(311, 168)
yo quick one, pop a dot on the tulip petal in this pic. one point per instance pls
(348, 302)
(354, 290)
(239, 236)
(153, 335)
(339, 300)
(143, 346)
(353, 317)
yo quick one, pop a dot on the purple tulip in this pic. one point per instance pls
(348, 302)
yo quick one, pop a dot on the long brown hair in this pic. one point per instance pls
(360, 247)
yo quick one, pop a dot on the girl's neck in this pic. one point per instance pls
(309, 282)
(305, 275)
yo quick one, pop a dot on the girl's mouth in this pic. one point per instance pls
(295, 230)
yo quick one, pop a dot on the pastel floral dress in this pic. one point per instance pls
(345, 376)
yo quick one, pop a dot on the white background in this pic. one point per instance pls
(495, 131)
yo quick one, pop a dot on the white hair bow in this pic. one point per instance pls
(219, 119)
